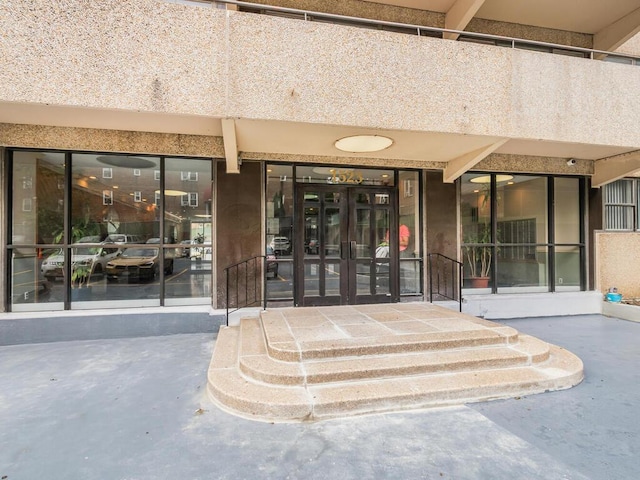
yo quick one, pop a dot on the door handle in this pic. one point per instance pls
(353, 250)
(343, 250)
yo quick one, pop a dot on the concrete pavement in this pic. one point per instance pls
(135, 408)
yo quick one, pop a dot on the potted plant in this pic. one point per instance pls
(478, 256)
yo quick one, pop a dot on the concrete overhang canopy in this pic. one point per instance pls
(610, 169)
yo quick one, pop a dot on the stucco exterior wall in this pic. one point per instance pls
(66, 138)
(150, 56)
(617, 255)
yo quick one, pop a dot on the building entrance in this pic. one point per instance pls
(343, 251)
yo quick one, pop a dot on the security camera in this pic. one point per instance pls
(571, 161)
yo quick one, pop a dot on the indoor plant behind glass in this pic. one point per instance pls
(478, 256)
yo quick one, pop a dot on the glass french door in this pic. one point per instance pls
(344, 253)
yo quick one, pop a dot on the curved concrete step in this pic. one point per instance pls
(235, 393)
(254, 361)
(339, 361)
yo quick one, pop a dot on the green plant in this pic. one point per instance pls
(478, 256)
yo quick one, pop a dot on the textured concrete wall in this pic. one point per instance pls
(618, 262)
(353, 76)
(66, 138)
(171, 58)
(143, 55)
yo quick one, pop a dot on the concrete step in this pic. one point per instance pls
(244, 397)
(255, 362)
(354, 360)
(316, 339)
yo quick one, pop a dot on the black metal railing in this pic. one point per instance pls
(445, 278)
(245, 284)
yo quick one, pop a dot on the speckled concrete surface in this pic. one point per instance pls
(135, 409)
(616, 253)
(172, 58)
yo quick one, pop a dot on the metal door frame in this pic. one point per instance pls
(347, 261)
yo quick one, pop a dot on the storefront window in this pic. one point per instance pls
(410, 233)
(522, 232)
(279, 232)
(114, 240)
(477, 247)
(38, 205)
(508, 237)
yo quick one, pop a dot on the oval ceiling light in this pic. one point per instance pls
(363, 143)
(487, 178)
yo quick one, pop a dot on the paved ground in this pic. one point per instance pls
(136, 409)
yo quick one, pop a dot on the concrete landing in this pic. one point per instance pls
(300, 364)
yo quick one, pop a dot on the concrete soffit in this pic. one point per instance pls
(613, 36)
(459, 16)
(456, 167)
(610, 169)
(230, 145)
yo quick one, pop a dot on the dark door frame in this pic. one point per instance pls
(347, 250)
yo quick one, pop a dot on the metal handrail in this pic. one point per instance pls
(442, 278)
(252, 270)
(309, 15)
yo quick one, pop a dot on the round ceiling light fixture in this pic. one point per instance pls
(487, 178)
(363, 143)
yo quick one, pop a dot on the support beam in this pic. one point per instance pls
(612, 37)
(458, 166)
(459, 16)
(230, 145)
(614, 168)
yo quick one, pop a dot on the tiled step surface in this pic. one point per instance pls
(422, 357)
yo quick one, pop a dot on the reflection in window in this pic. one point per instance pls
(279, 230)
(114, 213)
(526, 257)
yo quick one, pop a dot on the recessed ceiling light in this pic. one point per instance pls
(363, 143)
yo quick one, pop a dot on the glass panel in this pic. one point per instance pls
(382, 219)
(522, 209)
(188, 229)
(311, 226)
(29, 290)
(409, 214)
(113, 209)
(312, 279)
(363, 233)
(567, 210)
(475, 211)
(567, 263)
(363, 277)
(332, 279)
(332, 231)
(410, 273)
(522, 274)
(619, 217)
(280, 209)
(37, 196)
(344, 175)
(280, 276)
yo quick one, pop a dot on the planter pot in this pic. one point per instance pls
(479, 282)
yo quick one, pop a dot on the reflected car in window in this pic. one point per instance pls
(92, 259)
(138, 264)
(281, 245)
(272, 264)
